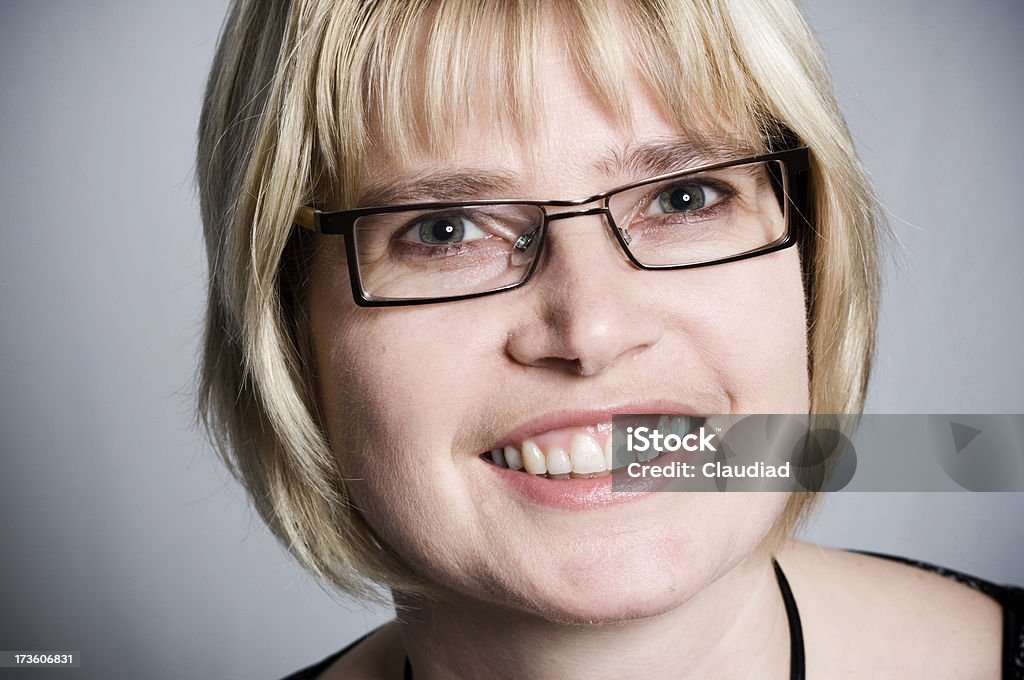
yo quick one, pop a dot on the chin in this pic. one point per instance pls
(599, 586)
(639, 570)
(607, 603)
(611, 610)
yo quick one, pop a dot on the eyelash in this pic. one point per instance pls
(726, 192)
(429, 251)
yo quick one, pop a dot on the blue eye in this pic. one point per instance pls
(442, 230)
(685, 198)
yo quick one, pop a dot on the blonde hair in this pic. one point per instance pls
(300, 93)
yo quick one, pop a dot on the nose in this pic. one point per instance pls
(588, 308)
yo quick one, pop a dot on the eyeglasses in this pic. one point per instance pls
(438, 252)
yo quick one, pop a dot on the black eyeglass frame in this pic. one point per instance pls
(796, 162)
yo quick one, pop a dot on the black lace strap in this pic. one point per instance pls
(796, 631)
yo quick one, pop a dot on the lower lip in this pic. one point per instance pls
(585, 493)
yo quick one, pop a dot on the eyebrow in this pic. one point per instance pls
(636, 162)
(440, 185)
(660, 157)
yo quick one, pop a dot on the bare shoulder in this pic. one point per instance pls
(372, 659)
(872, 617)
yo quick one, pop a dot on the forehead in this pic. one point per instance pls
(571, 151)
(575, 142)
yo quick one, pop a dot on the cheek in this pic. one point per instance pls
(394, 386)
(386, 372)
(750, 330)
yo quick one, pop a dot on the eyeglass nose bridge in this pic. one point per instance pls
(599, 210)
(527, 240)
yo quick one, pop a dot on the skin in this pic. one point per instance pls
(669, 585)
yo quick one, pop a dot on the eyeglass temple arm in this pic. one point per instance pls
(307, 219)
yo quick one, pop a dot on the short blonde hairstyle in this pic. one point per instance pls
(301, 93)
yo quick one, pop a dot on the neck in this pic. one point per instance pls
(734, 628)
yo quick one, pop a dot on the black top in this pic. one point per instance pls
(1011, 598)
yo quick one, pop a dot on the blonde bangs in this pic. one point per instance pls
(396, 79)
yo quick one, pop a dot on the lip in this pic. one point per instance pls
(591, 416)
(586, 493)
(583, 494)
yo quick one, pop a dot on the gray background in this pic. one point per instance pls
(123, 538)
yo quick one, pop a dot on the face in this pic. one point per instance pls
(412, 396)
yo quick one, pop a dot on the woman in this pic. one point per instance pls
(449, 241)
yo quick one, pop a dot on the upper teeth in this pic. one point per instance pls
(586, 456)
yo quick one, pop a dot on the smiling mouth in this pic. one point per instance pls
(581, 452)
